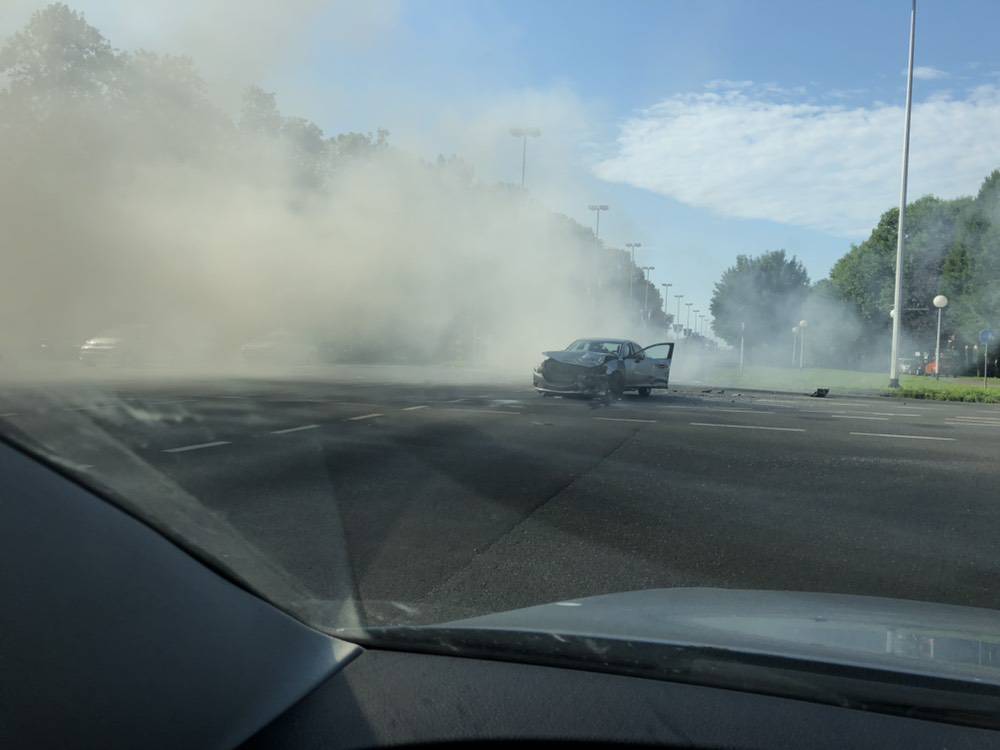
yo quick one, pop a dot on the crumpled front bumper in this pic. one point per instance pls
(585, 384)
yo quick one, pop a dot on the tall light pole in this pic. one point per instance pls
(524, 134)
(678, 297)
(645, 290)
(597, 208)
(900, 233)
(802, 343)
(632, 246)
(666, 297)
(688, 306)
(743, 328)
(795, 341)
(940, 302)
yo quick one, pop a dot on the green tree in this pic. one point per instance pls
(58, 58)
(766, 293)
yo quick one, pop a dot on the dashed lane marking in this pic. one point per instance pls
(414, 408)
(196, 446)
(295, 429)
(747, 427)
(364, 416)
(858, 416)
(622, 419)
(904, 437)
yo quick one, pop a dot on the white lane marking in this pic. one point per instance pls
(568, 604)
(858, 416)
(776, 401)
(905, 437)
(971, 424)
(364, 416)
(480, 411)
(747, 427)
(744, 411)
(9, 414)
(976, 419)
(414, 408)
(294, 429)
(196, 446)
(622, 419)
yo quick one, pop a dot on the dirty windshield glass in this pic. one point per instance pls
(293, 281)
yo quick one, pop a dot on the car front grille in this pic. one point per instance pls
(561, 373)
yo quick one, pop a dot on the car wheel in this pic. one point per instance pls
(645, 391)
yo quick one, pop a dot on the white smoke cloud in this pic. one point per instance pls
(745, 153)
(235, 42)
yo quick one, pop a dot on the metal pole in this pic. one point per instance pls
(802, 347)
(743, 327)
(631, 271)
(986, 364)
(524, 156)
(937, 350)
(679, 297)
(897, 321)
(688, 305)
(631, 277)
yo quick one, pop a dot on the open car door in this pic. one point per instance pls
(660, 356)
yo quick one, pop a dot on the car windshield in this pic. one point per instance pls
(288, 281)
(594, 345)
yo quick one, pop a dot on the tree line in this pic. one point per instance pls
(952, 247)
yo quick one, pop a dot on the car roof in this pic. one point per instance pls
(609, 340)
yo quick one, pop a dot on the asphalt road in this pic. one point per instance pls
(433, 500)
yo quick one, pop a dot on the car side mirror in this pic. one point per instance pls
(639, 356)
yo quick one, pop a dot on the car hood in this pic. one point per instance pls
(933, 639)
(584, 359)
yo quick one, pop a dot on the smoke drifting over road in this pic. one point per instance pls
(128, 197)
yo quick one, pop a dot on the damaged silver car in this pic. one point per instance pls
(604, 367)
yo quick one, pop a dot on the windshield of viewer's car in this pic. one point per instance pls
(296, 276)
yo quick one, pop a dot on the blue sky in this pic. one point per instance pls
(711, 128)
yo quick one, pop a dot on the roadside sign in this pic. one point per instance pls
(985, 336)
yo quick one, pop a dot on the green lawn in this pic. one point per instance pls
(846, 381)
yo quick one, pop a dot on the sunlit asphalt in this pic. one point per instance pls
(434, 501)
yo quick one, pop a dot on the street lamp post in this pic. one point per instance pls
(688, 306)
(795, 341)
(524, 134)
(666, 297)
(743, 328)
(802, 343)
(678, 297)
(597, 208)
(940, 302)
(632, 246)
(645, 290)
(900, 237)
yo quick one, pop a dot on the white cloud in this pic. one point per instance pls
(831, 167)
(927, 73)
